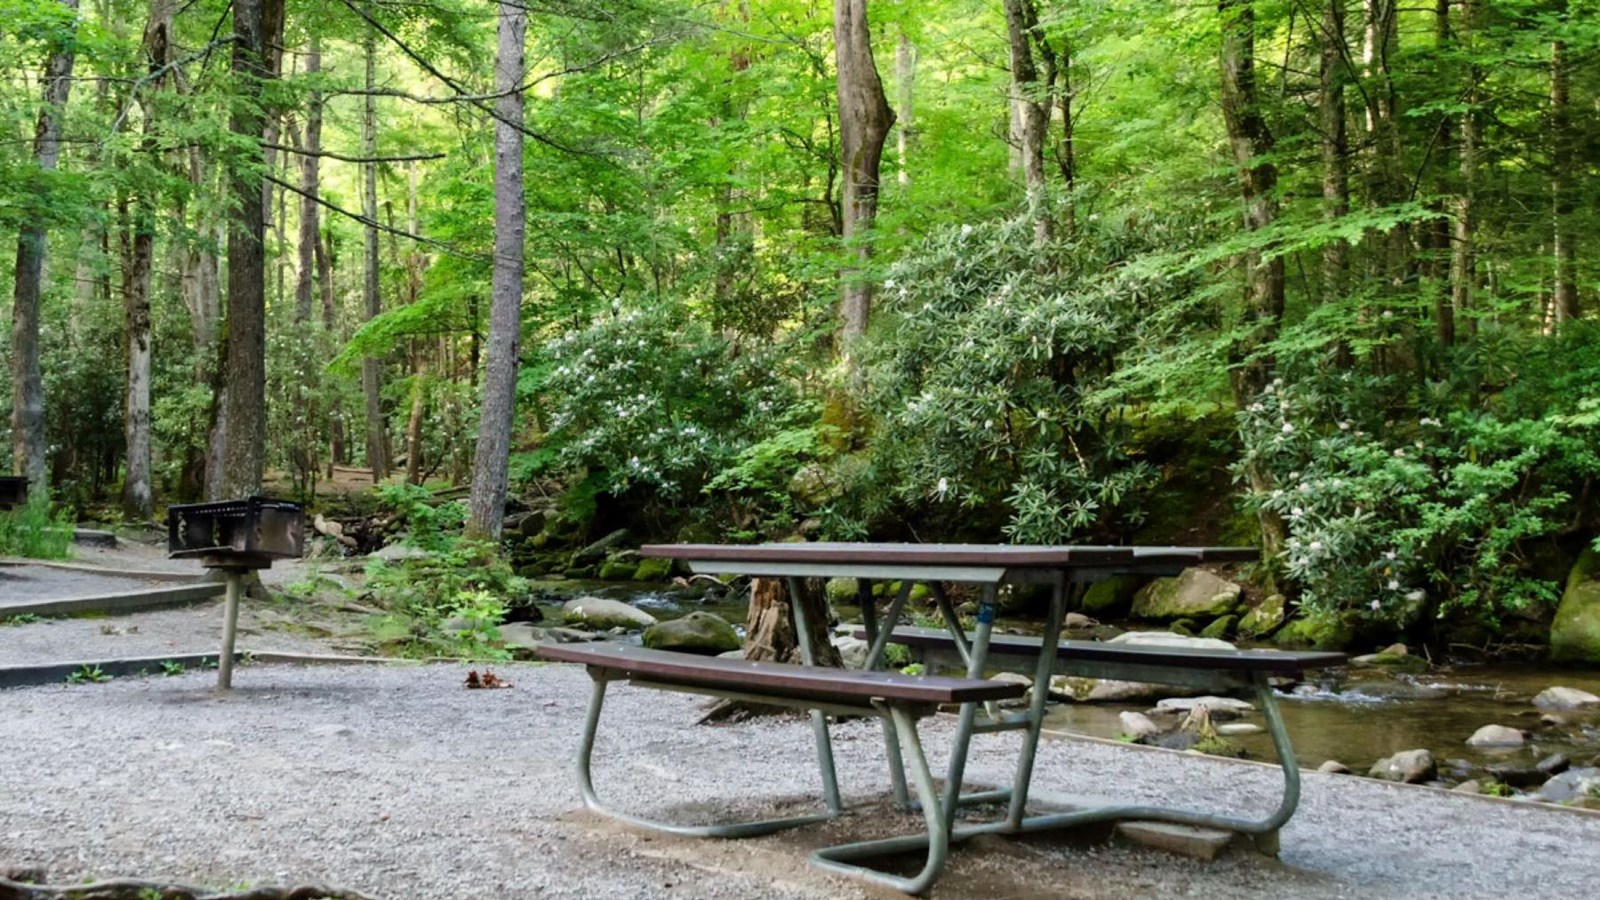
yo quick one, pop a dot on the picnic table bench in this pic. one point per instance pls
(898, 702)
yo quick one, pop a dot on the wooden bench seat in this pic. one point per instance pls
(800, 684)
(1272, 662)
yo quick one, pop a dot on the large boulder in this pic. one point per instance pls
(698, 632)
(1264, 616)
(1110, 596)
(1196, 593)
(1409, 766)
(1497, 736)
(1573, 784)
(599, 550)
(601, 613)
(1575, 633)
(1317, 631)
(1564, 698)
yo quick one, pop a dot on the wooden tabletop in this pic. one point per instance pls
(1008, 556)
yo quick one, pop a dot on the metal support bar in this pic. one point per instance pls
(936, 841)
(1041, 692)
(819, 719)
(969, 711)
(886, 629)
(891, 741)
(591, 724)
(230, 630)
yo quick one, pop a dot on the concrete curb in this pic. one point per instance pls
(124, 601)
(43, 674)
(143, 574)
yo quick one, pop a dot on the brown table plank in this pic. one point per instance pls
(777, 679)
(1010, 556)
(1280, 662)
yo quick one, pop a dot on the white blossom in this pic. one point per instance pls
(1376, 606)
(1287, 428)
(1394, 584)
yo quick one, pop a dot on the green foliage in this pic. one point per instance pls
(20, 619)
(87, 674)
(1498, 789)
(34, 531)
(430, 525)
(171, 667)
(468, 581)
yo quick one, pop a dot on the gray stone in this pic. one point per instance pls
(1565, 698)
(398, 552)
(1571, 785)
(600, 613)
(1220, 707)
(853, 651)
(1575, 632)
(1239, 729)
(1195, 593)
(1264, 617)
(1517, 776)
(698, 632)
(1408, 766)
(1497, 736)
(1078, 620)
(1105, 690)
(1014, 678)
(1168, 639)
(1334, 767)
(571, 635)
(1552, 720)
(1554, 764)
(521, 634)
(1138, 725)
(1204, 844)
(1468, 787)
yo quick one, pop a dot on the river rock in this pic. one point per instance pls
(1497, 736)
(1264, 617)
(1575, 632)
(698, 632)
(1105, 690)
(1239, 729)
(1221, 628)
(1408, 766)
(1554, 764)
(600, 613)
(521, 635)
(1220, 707)
(1196, 593)
(1571, 785)
(1138, 725)
(598, 550)
(853, 651)
(1564, 698)
(1110, 596)
(1520, 777)
(1334, 767)
(1078, 621)
(1552, 720)
(1470, 786)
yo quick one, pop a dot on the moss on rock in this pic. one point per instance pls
(1575, 633)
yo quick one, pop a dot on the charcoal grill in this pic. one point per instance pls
(236, 536)
(13, 491)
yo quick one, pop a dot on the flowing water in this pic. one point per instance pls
(1353, 716)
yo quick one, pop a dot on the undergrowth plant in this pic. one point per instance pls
(34, 531)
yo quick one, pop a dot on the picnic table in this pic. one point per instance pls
(1067, 571)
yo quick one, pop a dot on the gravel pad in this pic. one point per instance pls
(398, 782)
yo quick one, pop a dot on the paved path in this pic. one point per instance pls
(396, 781)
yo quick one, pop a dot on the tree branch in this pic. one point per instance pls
(329, 154)
(373, 223)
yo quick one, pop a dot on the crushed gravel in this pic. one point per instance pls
(189, 629)
(398, 782)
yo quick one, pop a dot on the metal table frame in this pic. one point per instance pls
(1067, 583)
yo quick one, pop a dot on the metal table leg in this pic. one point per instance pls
(819, 719)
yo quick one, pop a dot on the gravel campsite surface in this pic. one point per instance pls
(396, 781)
(196, 628)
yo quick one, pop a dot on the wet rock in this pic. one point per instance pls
(1264, 617)
(1497, 736)
(653, 569)
(1110, 596)
(1554, 764)
(1221, 628)
(853, 651)
(598, 550)
(698, 632)
(521, 635)
(1516, 776)
(1239, 729)
(1468, 787)
(1220, 707)
(1552, 720)
(1575, 633)
(1138, 725)
(600, 613)
(1564, 698)
(1015, 678)
(1571, 785)
(1394, 656)
(1196, 592)
(1078, 621)
(1334, 767)
(1105, 690)
(1319, 632)
(1407, 766)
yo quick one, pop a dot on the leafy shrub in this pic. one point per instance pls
(985, 387)
(468, 580)
(32, 530)
(1398, 505)
(429, 525)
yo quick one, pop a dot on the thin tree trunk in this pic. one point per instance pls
(310, 186)
(27, 380)
(864, 122)
(371, 366)
(1032, 97)
(1444, 320)
(1252, 145)
(1069, 142)
(905, 76)
(419, 367)
(1565, 292)
(491, 460)
(1335, 147)
(1463, 265)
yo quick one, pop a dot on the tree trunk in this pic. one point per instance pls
(310, 185)
(1335, 147)
(244, 414)
(1565, 291)
(905, 76)
(371, 366)
(1444, 320)
(1463, 265)
(864, 122)
(1033, 98)
(1252, 145)
(492, 457)
(769, 626)
(27, 380)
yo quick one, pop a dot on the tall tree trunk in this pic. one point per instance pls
(1033, 97)
(492, 458)
(1444, 320)
(1335, 147)
(1463, 264)
(310, 186)
(1069, 141)
(27, 380)
(864, 122)
(415, 263)
(1565, 289)
(905, 77)
(1252, 145)
(371, 366)
(244, 413)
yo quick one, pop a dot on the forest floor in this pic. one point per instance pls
(395, 781)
